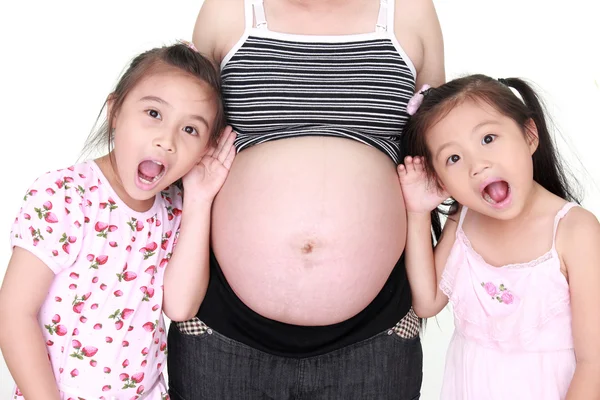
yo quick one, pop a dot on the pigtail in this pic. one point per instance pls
(548, 168)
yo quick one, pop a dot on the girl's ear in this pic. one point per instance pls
(531, 136)
(441, 185)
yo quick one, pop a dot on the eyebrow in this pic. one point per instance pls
(442, 147)
(156, 99)
(489, 122)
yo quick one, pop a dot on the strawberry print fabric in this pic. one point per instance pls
(102, 319)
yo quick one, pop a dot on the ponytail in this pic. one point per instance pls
(548, 170)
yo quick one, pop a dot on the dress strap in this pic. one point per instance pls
(560, 215)
(461, 219)
(259, 14)
(383, 20)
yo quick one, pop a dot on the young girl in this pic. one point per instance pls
(82, 300)
(519, 261)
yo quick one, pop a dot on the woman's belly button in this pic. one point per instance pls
(312, 282)
(308, 231)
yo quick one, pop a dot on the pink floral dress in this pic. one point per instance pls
(102, 319)
(512, 336)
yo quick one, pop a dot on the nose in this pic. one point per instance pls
(478, 167)
(165, 142)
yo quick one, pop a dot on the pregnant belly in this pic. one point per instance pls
(307, 230)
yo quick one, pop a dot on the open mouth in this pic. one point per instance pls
(150, 171)
(496, 192)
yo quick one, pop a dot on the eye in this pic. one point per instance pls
(191, 130)
(153, 114)
(453, 159)
(487, 139)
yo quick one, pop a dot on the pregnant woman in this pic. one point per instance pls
(308, 296)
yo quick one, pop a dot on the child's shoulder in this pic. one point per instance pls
(65, 189)
(578, 229)
(65, 178)
(578, 221)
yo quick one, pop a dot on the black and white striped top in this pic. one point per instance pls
(279, 85)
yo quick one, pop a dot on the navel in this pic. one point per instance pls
(308, 247)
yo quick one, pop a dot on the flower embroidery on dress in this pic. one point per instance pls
(500, 293)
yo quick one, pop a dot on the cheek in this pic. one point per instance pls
(521, 160)
(452, 180)
(191, 156)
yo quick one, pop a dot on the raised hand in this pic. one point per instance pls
(207, 177)
(421, 193)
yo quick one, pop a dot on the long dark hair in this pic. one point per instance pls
(548, 168)
(180, 56)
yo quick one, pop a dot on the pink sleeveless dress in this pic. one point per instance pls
(512, 337)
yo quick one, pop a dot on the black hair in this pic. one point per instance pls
(548, 168)
(181, 56)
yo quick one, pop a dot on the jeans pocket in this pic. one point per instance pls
(407, 329)
(193, 327)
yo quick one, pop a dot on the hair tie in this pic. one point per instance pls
(503, 81)
(190, 45)
(415, 102)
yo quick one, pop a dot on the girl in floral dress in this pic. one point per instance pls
(93, 266)
(518, 259)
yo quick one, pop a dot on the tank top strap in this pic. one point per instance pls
(461, 219)
(256, 9)
(560, 215)
(386, 11)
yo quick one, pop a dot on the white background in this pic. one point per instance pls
(60, 59)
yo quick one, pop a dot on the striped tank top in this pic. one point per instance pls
(277, 85)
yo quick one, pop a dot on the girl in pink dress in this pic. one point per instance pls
(518, 258)
(82, 300)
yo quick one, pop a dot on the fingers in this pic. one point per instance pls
(229, 158)
(411, 164)
(224, 143)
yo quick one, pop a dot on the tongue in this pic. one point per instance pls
(149, 169)
(497, 191)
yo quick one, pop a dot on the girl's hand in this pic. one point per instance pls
(207, 177)
(421, 193)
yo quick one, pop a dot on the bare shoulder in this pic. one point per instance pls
(417, 8)
(220, 23)
(418, 30)
(578, 237)
(578, 222)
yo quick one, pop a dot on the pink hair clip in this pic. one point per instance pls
(189, 44)
(415, 102)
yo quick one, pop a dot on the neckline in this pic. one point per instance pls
(121, 204)
(302, 38)
(528, 264)
(544, 257)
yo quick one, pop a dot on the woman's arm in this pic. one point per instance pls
(578, 243)
(420, 18)
(220, 23)
(24, 289)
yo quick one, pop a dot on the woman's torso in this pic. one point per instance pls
(308, 229)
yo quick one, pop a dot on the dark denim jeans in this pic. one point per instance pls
(208, 365)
